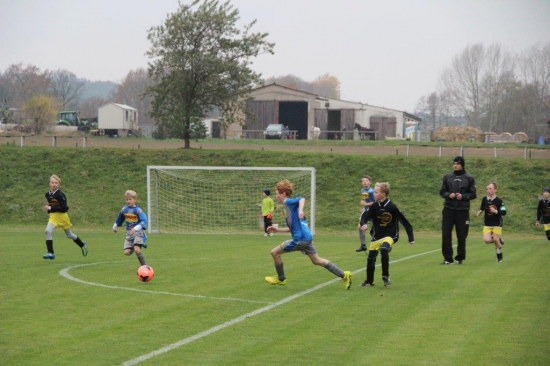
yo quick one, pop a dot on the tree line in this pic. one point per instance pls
(489, 88)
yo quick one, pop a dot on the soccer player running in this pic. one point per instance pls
(302, 239)
(492, 224)
(58, 209)
(136, 223)
(385, 216)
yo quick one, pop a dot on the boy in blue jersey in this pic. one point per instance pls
(367, 199)
(136, 223)
(302, 239)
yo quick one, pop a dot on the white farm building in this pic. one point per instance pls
(118, 119)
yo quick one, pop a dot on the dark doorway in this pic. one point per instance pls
(294, 115)
(334, 124)
(216, 130)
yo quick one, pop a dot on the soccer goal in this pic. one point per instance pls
(201, 199)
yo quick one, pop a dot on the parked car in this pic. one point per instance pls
(274, 131)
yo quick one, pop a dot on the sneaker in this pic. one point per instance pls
(270, 234)
(347, 278)
(446, 262)
(361, 249)
(275, 281)
(48, 256)
(459, 261)
(386, 280)
(265, 234)
(366, 284)
(501, 241)
(84, 249)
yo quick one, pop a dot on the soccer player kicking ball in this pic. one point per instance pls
(385, 218)
(302, 239)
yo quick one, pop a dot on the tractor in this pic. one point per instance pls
(71, 118)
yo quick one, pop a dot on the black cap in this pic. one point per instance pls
(267, 192)
(546, 189)
(460, 160)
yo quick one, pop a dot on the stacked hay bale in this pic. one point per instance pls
(521, 137)
(458, 134)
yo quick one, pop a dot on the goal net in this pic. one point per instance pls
(200, 199)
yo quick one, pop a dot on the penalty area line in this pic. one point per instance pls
(241, 318)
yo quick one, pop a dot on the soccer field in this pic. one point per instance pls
(209, 304)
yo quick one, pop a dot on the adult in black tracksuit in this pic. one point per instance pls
(458, 189)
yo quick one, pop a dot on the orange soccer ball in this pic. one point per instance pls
(145, 273)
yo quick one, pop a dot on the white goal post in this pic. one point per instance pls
(220, 199)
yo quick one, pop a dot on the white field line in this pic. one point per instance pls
(65, 273)
(239, 319)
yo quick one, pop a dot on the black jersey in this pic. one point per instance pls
(57, 201)
(385, 221)
(492, 219)
(543, 211)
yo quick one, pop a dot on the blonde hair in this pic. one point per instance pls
(130, 193)
(55, 177)
(384, 187)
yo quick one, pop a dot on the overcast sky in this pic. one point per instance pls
(384, 52)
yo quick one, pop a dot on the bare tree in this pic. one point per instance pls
(325, 85)
(89, 107)
(131, 91)
(66, 88)
(23, 82)
(429, 104)
(462, 82)
(534, 70)
(498, 79)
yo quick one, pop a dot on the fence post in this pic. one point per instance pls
(462, 151)
(495, 151)
(84, 141)
(408, 147)
(22, 141)
(525, 153)
(54, 141)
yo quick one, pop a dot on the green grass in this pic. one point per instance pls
(477, 314)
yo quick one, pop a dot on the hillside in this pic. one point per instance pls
(95, 179)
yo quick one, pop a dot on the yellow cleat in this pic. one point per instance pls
(275, 280)
(347, 278)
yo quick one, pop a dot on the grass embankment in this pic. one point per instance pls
(94, 181)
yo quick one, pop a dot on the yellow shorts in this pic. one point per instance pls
(546, 227)
(492, 230)
(60, 220)
(375, 245)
